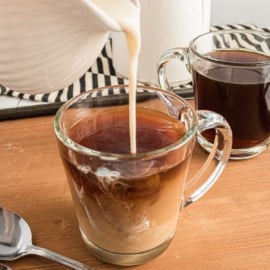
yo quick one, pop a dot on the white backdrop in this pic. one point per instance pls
(241, 11)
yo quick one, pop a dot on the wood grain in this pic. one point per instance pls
(229, 228)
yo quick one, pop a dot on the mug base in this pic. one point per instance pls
(236, 154)
(126, 259)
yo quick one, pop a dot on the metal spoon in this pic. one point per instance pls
(16, 242)
(4, 267)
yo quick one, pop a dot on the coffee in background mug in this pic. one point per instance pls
(231, 75)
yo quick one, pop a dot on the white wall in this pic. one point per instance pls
(241, 11)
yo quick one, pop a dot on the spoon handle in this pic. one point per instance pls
(4, 267)
(35, 250)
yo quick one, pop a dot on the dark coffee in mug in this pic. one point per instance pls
(239, 92)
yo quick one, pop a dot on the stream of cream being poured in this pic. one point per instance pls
(127, 14)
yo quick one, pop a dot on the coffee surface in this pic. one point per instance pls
(109, 131)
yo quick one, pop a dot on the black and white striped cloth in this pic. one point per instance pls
(101, 73)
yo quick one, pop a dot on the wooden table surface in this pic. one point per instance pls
(229, 228)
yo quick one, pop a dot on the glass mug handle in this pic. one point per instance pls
(219, 153)
(175, 53)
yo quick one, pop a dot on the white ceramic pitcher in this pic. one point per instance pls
(46, 45)
(165, 24)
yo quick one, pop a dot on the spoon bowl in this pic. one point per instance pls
(16, 242)
(15, 236)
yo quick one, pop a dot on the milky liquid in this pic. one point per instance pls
(127, 206)
(127, 14)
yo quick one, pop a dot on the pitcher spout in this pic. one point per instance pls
(109, 14)
(102, 18)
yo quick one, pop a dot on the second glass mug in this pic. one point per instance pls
(231, 76)
(128, 204)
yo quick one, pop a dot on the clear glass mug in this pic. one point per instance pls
(231, 76)
(127, 204)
